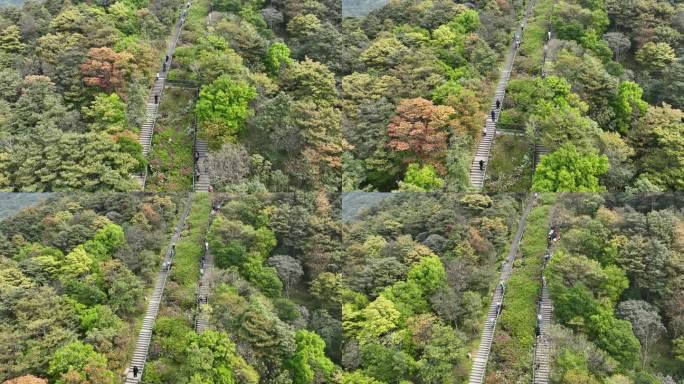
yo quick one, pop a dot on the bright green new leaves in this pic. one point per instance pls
(222, 108)
(424, 279)
(78, 362)
(568, 170)
(357, 377)
(309, 358)
(106, 113)
(106, 242)
(278, 56)
(467, 21)
(211, 358)
(420, 179)
(379, 317)
(99, 316)
(628, 105)
(429, 274)
(77, 263)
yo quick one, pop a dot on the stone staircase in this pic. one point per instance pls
(539, 151)
(543, 344)
(151, 107)
(206, 281)
(541, 367)
(142, 346)
(477, 176)
(202, 183)
(479, 367)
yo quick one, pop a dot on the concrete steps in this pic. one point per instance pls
(202, 183)
(483, 151)
(539, 151)
(541, 367)
(145, 335)
(543, 345)
(152, 107)
(479, 367)
(206, 280)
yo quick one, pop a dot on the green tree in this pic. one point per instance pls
(79, 360)
(568, 170)
(39, 104)
(678, 349)
(384, 53)
(211, 357)
(71, 161)
(77, 263)
(658, 139)
(646, 324)
(106, 113)
(358, 377)
(229, 255)
(378, 318)
(310, 81)
(644, 260)
(628, 105)
(420, 179)
(10, 40)
(42, 321)
(429, 274)
(655, 56)
(222, 108)
(106, 242)
(615, 337)
(278, 56)
(309, 360)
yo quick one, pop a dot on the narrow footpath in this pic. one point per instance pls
(156, 93)
(205, 283)
(479, 367)
(478, 171)
(145, 335)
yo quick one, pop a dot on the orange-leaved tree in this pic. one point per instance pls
(106, 69)
(419, 132)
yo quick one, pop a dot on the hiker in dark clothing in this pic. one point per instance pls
(498, 104)
(156, 99)
(166, 59)
(481, 165)
(493, 115)
(164, 67)
(135, 371)
(196, 156)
